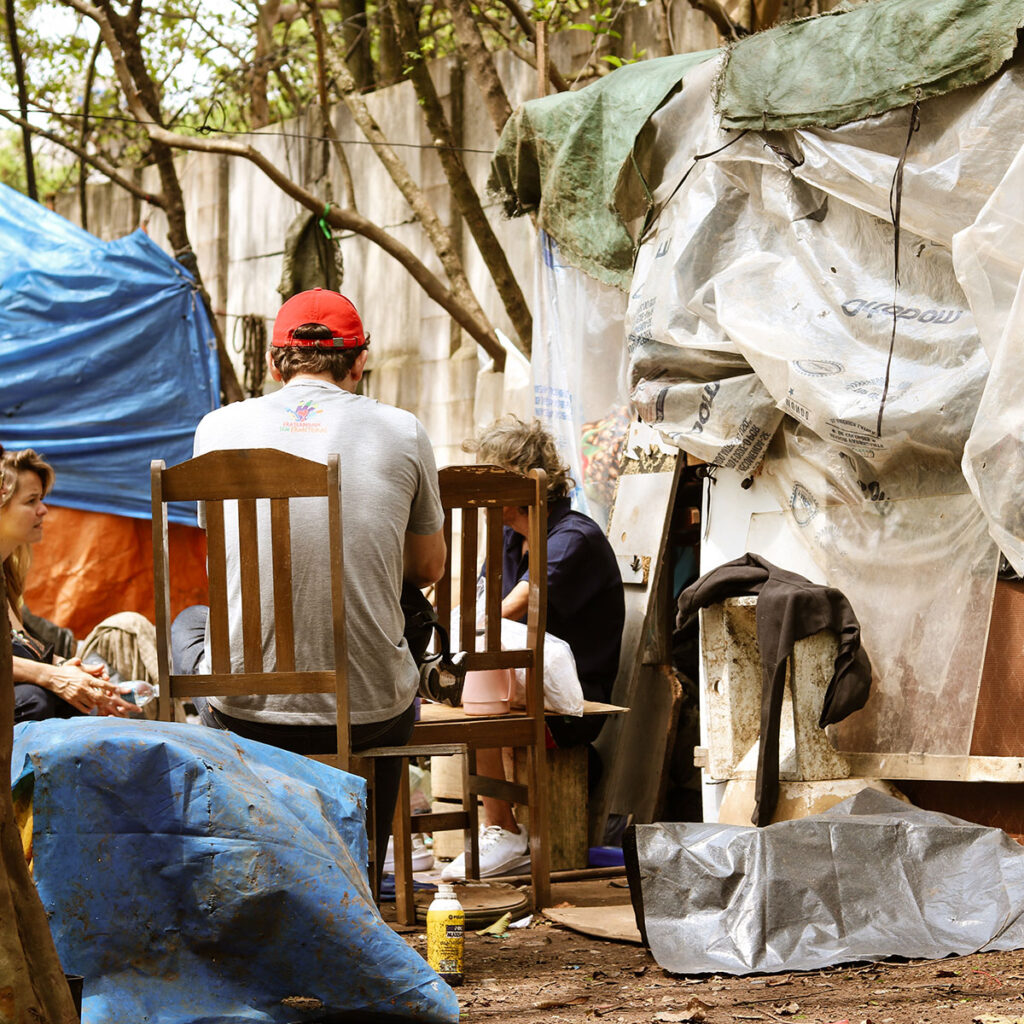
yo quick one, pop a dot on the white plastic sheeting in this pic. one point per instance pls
(578, 373)
(989, 258)
(764, 298)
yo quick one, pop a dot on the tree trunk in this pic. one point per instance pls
(83, 136)
(19, 76)
(327, 125)
(259, 107)
(463, 192)
(481, 63)
(121, 37)
(766, 13)
(439, 236)
(355, 31)
(389, 53)
(32, 985)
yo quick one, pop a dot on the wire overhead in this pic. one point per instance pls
(206, 129)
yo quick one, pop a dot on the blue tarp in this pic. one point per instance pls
(193, 876)
(107, 357)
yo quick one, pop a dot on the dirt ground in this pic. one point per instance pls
(547, 973)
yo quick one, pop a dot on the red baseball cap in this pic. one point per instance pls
(329, 309)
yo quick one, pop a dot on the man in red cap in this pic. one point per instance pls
(393, 533)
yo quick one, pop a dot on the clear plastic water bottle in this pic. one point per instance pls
(139, 692)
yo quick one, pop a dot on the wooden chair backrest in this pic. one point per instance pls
(482, 492)
(245, 476)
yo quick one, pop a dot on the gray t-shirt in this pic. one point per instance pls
(388, 487)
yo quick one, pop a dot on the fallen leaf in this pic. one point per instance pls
(787, 1009)
(498, 928)
(695, 1011)
(997, 1018)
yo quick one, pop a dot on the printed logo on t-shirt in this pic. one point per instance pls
(303, 418)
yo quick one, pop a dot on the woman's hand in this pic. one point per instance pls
(86, 687)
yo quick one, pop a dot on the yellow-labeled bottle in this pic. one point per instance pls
(446, 925)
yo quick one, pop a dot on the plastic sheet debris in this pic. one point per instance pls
(869, 879)
(193, 876)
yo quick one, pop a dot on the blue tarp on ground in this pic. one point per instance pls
(193, 876)
(107, 357)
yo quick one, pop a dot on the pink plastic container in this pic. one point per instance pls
(488, 692)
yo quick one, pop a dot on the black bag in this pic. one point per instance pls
(443, 674)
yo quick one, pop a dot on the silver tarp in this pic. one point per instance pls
(871, 878)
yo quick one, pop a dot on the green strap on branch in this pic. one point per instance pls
(322, 221)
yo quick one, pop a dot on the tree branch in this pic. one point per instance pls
(83, 136)
(19, 77)
(525, 55)
(347, 220)
(463, 193)
(348, 188)
(439, 236)
(92, 160)
(727, 28)
(480, 62)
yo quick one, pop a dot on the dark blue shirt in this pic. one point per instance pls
(585, 602)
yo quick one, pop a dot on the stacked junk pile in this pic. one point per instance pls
(815, 243)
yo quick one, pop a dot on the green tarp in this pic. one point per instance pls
(562, 156)
(569, 157)
(848, 65)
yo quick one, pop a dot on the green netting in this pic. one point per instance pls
(852, 64)
(562, 156)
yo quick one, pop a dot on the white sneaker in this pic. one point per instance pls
(501, 853)
(422, 858)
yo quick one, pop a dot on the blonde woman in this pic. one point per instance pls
(44, 686)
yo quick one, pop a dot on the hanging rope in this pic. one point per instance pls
(252, 347)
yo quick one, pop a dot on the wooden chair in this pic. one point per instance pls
(474, 492)
(245, 476)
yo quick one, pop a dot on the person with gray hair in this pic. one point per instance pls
(586, 609)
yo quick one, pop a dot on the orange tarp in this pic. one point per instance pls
(92, 564)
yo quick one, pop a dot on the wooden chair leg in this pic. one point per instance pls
(471, 838)
(367, 768)
(405, 905)
(540, 848)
